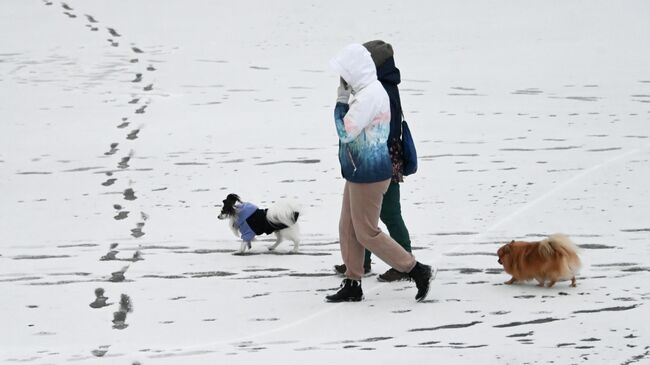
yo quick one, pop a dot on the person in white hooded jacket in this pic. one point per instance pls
(362, 117)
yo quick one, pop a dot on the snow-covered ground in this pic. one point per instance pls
(124, 124)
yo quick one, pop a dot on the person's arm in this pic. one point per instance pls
(340, 110)
(350, 119)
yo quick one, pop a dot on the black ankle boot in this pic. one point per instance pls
(350, 292)
(422, 276)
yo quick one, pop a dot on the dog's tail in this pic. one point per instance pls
(284, 212)
(562, 245)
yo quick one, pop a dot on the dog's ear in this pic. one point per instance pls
(233, 198)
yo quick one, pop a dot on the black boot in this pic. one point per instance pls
(393, 275)
(422, 276)
(350, 292)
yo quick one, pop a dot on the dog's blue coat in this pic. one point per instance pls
(252, 221)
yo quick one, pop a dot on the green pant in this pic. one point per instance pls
(391, 216)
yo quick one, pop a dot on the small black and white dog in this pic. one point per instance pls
(247, 221)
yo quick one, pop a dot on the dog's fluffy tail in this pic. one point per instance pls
(285, 212)
(561, 244)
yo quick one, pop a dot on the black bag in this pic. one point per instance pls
(408, 146)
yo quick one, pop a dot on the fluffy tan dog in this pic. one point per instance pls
(551, 259)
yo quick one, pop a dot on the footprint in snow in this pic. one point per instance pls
(124, 162)
(118, 276)
(129, 194)
(113, 149)
(109, 182)
(111, 254)
(119, 320)
(133, 135)
(113, 32)
(137, 232)
(101, 351)
(100, 299)
(121, 215)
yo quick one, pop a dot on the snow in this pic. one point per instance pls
(530, 118)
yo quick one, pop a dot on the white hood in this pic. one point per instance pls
(355, 66)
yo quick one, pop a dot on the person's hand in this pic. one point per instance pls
(343, 91)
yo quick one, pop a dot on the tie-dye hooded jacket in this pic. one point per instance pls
(364, 124)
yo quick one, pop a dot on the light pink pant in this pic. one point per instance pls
(359, 229)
